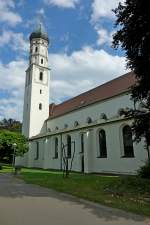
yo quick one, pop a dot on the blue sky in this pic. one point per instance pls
(80, 53)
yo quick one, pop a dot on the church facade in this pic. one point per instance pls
(89, 130)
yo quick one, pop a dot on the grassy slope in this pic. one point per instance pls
(121, 192)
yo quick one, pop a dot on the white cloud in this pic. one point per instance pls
(63, 3)
(82, 70)
(12, 76)
(40, 12)
(6, 13)
(16, 41)
(103, 8)
(70, 76)
(21, 3)
(104, 36)
(9, 108)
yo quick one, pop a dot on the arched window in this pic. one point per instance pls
(102, 144)
(76, 123)
(103, 116)
(41, 61)
(69, 146)
(89, 120)
(65, 125)
(36, 49)
(56, 148)
(40, 91)
(40, 106)
(127, 141)
(41, 76)
(37, 151)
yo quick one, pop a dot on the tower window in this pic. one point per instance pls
(36, 49)
(41, 76)
(40, 91)
(40, 106)
(41, 61)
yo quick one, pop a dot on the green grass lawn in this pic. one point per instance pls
(122, 192)
(6, 168)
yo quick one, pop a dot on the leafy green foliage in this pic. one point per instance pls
(133, 20)
(144, 171)
(10, 124)
(7, 139)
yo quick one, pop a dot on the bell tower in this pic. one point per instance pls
(36, 96)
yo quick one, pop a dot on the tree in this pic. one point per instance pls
(10, 124)
(133, 20)
(7, 139)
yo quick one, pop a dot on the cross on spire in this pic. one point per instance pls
(40, 22)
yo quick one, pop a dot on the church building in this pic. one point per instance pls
(89, 131)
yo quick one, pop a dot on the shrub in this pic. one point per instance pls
(1, 167)
(144, 171)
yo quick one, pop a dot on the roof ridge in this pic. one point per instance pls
(104, 91)
(117, 78)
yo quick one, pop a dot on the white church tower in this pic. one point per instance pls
(36, 96)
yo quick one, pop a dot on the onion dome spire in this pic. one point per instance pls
(39, 33)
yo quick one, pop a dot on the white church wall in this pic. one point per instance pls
(75, 149)
(50, 162)
(114, 163)
(76, 166)
(55, 161)
(110, 107)
(21, 161)
(46, 153)
(31, 154)
(33, 161)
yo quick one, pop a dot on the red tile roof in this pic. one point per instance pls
(110, 89)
